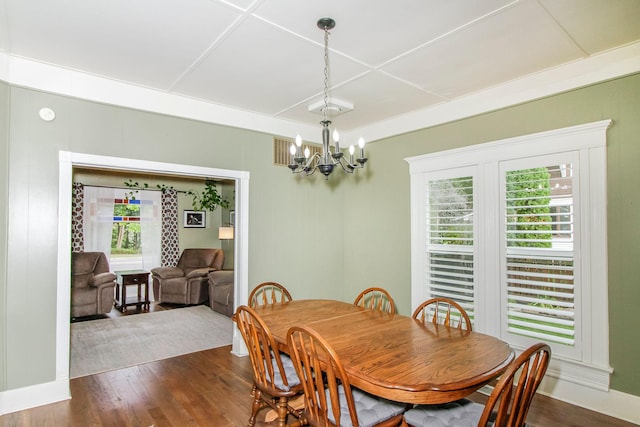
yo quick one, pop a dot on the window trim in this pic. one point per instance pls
(589, 140)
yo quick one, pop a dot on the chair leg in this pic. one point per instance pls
(255, 408)
(283, 411)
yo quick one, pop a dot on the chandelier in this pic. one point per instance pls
(301, 161)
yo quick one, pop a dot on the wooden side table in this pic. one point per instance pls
(126, 278)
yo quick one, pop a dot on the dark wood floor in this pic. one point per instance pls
(207, 388)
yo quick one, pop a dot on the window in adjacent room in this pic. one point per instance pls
(127, 230)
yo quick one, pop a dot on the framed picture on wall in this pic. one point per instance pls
(195, 219)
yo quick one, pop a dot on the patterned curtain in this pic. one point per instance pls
(77, 215)
(169, 242)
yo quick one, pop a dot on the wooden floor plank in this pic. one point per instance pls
(208, 388)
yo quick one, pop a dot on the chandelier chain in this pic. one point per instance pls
(326, 72)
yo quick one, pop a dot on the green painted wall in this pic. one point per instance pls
(377, 213)
(321, 239)
(4, 183)
(286, 217)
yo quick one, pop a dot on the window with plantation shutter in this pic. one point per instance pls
(539, 252)
(515, 231)
(450, 240)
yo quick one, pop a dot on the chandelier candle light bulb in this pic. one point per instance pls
(361, 145)
(293, 151)
(299, 145)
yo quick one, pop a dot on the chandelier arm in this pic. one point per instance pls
(308, 168)
(313, 159)
(346, 166)
(348, 163)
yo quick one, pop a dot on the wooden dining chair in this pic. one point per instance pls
(376, 299)
(443, 311)
(268, 293)
(507, 405)
(329, 398)
(274, 376)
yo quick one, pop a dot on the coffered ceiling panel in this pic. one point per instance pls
(597, 25)
(269, 74)
(145, 42)
(516, 41)
(375, 32)
(264, 58)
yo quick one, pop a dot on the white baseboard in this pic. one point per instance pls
(612, 403)
(239, 348)
(35, 395)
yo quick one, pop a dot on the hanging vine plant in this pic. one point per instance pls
(207, 200)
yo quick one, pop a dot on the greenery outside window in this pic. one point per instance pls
(125, 237)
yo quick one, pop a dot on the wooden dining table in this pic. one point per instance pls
(394, 356)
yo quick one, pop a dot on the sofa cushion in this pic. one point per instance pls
(167, 272)
(173, 286)
(191, 259)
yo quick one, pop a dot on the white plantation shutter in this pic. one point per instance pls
(541, 297)
(539, 263)
(516, 231)
(450, 250)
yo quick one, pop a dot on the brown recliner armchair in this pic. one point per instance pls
(186, 283)
(92, 284)
(221, 291)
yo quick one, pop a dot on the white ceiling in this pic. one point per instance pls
(387, 58)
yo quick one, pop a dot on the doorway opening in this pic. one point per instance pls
(69, 160)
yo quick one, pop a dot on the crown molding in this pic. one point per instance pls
(32, 74)
(595, 69)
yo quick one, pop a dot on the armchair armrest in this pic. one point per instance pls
(199, 272)
(102, 278)
(167, 272)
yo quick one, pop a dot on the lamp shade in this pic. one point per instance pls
(225, 233)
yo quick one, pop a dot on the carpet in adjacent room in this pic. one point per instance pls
(107, 344)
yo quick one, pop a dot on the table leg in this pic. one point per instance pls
(124, 298)
(140, 304)
(146, 295)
